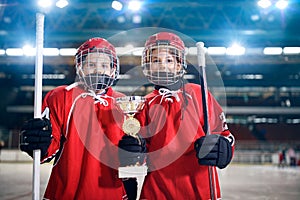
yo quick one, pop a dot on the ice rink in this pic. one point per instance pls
(238, 182)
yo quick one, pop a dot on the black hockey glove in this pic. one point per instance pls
(35, 134)
(132, 151)
(213, 150)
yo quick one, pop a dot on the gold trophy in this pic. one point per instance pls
(130, 105)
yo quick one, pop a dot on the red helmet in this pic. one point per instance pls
(96, 43)
(165, 38)
(159, 41)
(96, 81)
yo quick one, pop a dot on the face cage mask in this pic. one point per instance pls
(162, 75)
(97, 81)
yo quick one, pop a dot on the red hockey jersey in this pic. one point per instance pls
(171, 127)
(86, 131)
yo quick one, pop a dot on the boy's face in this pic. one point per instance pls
(97, 63)
(162, 60)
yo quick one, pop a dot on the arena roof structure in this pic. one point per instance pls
(217, 23)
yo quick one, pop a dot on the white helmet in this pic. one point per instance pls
(163, 59)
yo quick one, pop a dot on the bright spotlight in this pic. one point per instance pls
(50, 51)
(291, 50)
(67, 51)
(62, 3)
(2, 51)
(264, 3)
(255, 18)
(29, 50)
(272, 50)
(134, 5)
(137, 19)
(14, 52)
(117, 5)
(44, 3)
(235, 50)
(216, 50)
(281, 4)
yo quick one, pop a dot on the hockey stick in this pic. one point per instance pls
(204, 90)
(38, 100)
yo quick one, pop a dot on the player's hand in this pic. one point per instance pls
(213, 150)
(132, 151)
(36, 134)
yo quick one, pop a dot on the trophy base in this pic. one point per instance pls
(132, 171)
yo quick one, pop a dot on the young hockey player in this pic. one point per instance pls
(83, 129)
(179, 152)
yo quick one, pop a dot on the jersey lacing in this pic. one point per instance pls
(99, 98)
(167, 95)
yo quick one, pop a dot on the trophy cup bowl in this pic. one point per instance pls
(130, 105)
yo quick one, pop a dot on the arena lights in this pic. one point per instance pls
(291, 50)
(272, 50)
(50, 51)
(117, 5)
(216, 50)
(280, 4)
(258, 120)
(29, 50)
(47, 3)
(129, 50)
(2, 52)
(134, 5)
(137, 19)
(193, 50)
(235, 50)
(250, 76)
(62, 3)
(67, 52)
(14, 52)
(138, 51)
(293, 121)
(44, 3)
(121, 19)
(264, 3)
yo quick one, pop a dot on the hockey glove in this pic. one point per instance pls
(132, 151)
(213, 150)
(35, 134)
